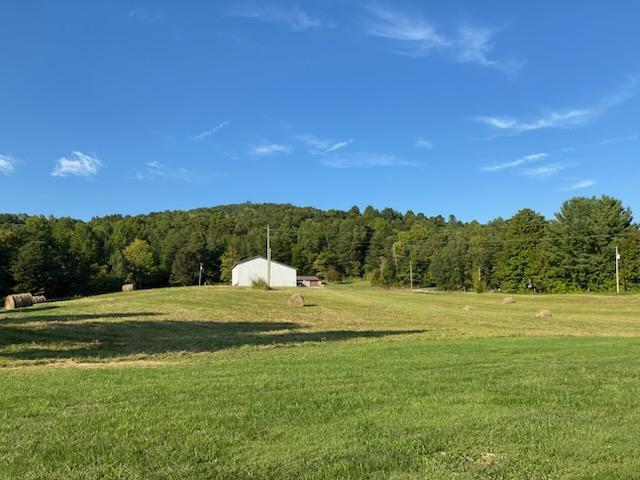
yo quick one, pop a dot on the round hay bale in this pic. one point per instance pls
(467, 308)
(296, 300)
(128, 287)
(18, 300)
(39, 299)
(508, 301)
(544, 312)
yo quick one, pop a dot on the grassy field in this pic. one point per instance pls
(216, 382)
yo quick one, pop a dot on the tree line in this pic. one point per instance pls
(574, 251)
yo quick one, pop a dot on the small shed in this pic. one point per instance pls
(246, 271)
(308, 281)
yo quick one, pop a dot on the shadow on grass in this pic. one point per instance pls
(75, 317)
(33, 309)
(66, 339)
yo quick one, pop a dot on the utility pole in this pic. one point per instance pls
(411, 273)
(268, 257)
(200, 275)
(617, 270)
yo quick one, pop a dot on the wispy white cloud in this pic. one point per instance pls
(332, 154)
(544, 170)
(7, 164)
(628, 138)
(366, 160)
(560, 119)
(77, 164)
(423, 143)
(158, 170)
(210, 132)
(415, 36)
(269, 149)
(293, 17)
(535, 157)
(319, 146)
(564, 118)
(475, 44)
(338, 145)
(580, 185)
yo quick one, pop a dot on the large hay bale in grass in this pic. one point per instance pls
(39, 299)
(544, 312)
(18, 300)
(508, 301)
(128, 287)
(296, 300)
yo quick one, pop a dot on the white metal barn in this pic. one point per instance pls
(246, 271)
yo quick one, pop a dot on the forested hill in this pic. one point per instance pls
(573, 252)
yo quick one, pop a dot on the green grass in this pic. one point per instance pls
(363, 383)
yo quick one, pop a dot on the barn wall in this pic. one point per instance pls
(243, 274)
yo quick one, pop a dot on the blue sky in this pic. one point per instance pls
(471, 108)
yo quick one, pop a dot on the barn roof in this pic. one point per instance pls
(261, 257)
(307, 277)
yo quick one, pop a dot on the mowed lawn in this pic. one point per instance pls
(216, 382)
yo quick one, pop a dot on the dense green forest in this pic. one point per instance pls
(575, 251)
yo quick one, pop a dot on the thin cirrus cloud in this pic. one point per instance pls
(566, 118)
(544, 170)
(294, 17)
(366, 160)
(333, 156)
(628, 138)
(319, 146)
(580, 185)
(534, 157)
(423, 143)
(415, 36)
(158, 170)
(77, 164)
(209, 133)
(7, 164)
(269, 149)
(474, 45)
